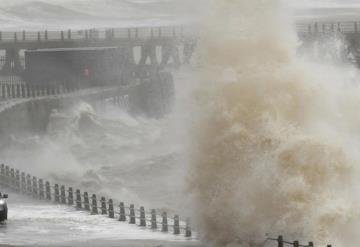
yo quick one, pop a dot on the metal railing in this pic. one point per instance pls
(41, 189)
(96, 34)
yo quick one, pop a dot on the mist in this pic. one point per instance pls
(275, 139)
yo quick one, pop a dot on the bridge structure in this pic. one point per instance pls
(154, 45)
(172, 43)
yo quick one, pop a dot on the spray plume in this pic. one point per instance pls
(276, 139)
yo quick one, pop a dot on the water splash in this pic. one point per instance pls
(276, 139)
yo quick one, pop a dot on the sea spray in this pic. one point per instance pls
(275, 147)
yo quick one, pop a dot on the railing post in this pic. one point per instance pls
(41, 189)
(23, 183)
(86, 35)
(111, 209)
(165, 227)
(2, 171)
(153, 219)
(188, 228)
(356, 27)
(39, 36)
(17, 180)
(176, 225)
(86, 201)
(7, 174)
(28, 184)
(280, 241)
(62, 35)
(24, 35)
(46, 35)
(132, 215)
(69, 34)
(12, 177)
(35, 187)
(56, 193)
(62, 194)
(136, 33)
(78, 199)
(316, 27)
(142, 217)
(122, 216)
(15, 37)
(70, 196)
(103, 205)
(94, 205)
(48, 190)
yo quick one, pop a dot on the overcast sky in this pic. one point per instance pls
(325, 3)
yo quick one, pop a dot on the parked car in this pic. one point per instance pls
(3, 207)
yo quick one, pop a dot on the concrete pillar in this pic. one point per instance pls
(129, 54)
(17, 180)
(56, 193)
(12, 64)
(7, 175)
(28, 184)
(35, 187)
(280, 241)
(148, 50)
(70, 196)
(78, 199)
(12, 177)
(94, 208)
(188, 228)
(189, 49)
(41, 189)
(153, 219)
(23, 183)
(122, 216)
(176, 225)
(165, 227)
(142, 217)
(62, 195)
(132, 214)
(170, 50)
(48, 191)
(103, 206)
(86, 201)
(111, 209)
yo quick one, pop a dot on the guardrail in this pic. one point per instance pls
(329, 27)
(16, 88)
(281, 242)
(40, 189)
(96, 34)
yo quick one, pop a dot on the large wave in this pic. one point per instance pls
(275, 147)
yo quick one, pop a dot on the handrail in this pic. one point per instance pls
(41, 189)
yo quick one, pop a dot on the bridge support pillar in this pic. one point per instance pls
(189, 49)
(128, 52)
(170, 50)
(148, 50)
(12, 64)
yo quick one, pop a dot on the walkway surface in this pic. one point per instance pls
(34, 223)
